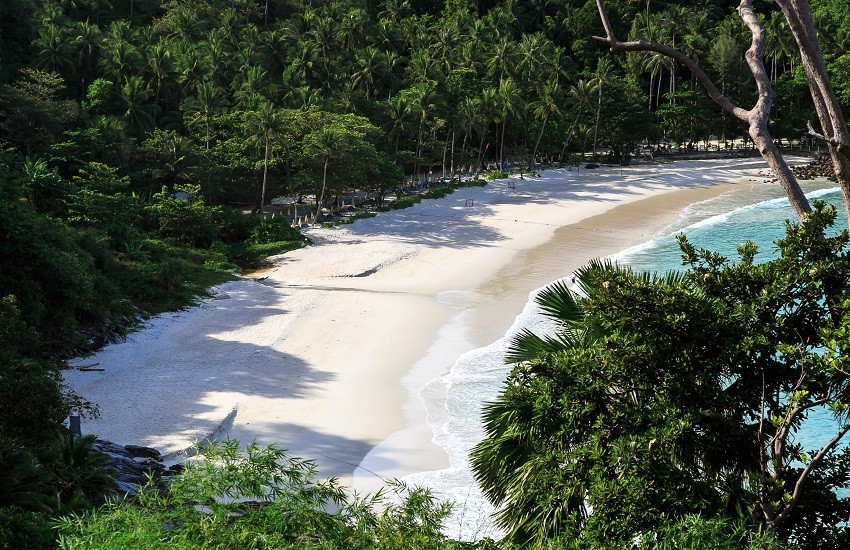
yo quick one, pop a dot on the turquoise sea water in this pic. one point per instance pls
(755, 212)
(762, 223)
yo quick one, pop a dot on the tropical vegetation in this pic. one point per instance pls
(142, 145)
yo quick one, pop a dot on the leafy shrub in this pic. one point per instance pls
(21, 529)
(402, 203)
(232, 225)
(591, 165)
(259, 498)
(187, 221)
(81, 476)
(275, 230)
(496, 174)
(438, 193)
(473, 183)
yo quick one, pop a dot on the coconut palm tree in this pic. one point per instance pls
(200, 109)
(54, 51)
(326, 144)
(368, 65)
(603, 72)
(264, 128)
(138, 113)
(579, 96)
(511, 104)
(508, 464)
(160, 68)
(544, 107)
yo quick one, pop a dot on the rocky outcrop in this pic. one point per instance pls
(820, 168)
(134, 465)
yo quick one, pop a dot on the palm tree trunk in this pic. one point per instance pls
(651, 86)
(598, 112)
(322, 194)
(537, 143)
(570, 133)
(265, 177)
(502, 147)
(452, 161)
(480, 154)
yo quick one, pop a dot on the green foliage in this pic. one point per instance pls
(81, 476)
(259, 498)
(496, 174)
(438, 192)
(186, 219)
(697, 533)
(33, 113)
(402, 202)
(24, 529)
(654, 397)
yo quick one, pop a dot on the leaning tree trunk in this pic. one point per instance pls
(322, 194)
(833, 126)
(756, 118)
(570, 133)
(537, 143)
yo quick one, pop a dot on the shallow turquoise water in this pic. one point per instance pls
(762, 222)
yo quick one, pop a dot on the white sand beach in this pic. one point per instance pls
(326, 356)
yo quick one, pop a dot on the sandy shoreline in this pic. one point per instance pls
(326, 356)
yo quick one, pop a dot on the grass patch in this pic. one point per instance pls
(438, 192)
(402, 203)
(496, 175)
(172, 277)
(359, 215)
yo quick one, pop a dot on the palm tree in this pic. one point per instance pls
(419, 101)
(503, 59)
(264, 127)
(545, 106)
(511, 103)
(218, 53)
(531, 53)
(398, 114)
(86, 40)
(137, 112)
(190, 63)
(54, 52)
(23, 482)
(304, 97)
(327, 144)
(487, 103)
(368, 65)
(539, 467)
(579, 95)
(82, 472)
(119, 59)
(208, 101)
(253, 81)
(160, 67)
(603, 71)
(507, 462)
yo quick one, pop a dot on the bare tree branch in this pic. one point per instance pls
(798, 487)
(756, 118)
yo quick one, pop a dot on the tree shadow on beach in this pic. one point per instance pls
(456, 220)
(172, 384)
(335, 455)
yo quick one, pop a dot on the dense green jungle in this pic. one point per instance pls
(143, 144)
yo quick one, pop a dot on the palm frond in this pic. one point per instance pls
(559, 302)
(527, 346)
